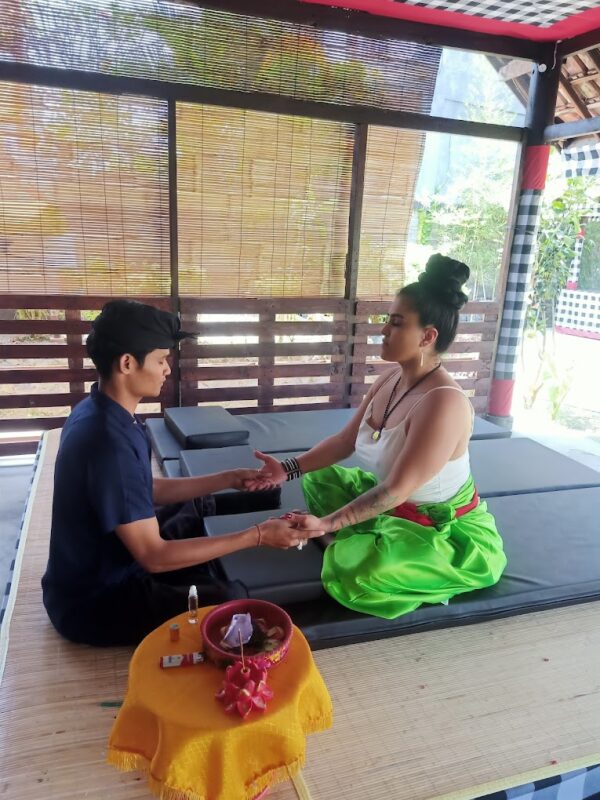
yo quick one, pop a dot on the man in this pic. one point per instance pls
(117, 566)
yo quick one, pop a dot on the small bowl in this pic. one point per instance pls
(221, 615)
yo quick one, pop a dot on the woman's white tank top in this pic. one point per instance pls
(379, 457)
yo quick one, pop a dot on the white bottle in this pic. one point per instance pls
(193, 605)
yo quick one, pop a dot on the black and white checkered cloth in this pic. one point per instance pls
(581, 784)
(582, 161)
(517, 285)
(542, 13)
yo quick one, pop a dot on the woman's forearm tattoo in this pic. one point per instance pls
(366, 506)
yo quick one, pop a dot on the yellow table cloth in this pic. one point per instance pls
(172, 727)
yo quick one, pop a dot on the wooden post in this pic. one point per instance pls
(173, 239)
(359, 159)
(266, 363)
(540, 112)
(74, 363)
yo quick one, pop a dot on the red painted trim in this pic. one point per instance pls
(574, 332)
(572, 26)
(501, 394)
(536, 166)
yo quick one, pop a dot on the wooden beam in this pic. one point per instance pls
(257, 101)
(373, 26)
(578, 44)
(571, 130)
(589, 76)
(567, 88)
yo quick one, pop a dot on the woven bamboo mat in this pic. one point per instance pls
(447, 714)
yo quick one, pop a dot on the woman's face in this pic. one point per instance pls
(403, 335)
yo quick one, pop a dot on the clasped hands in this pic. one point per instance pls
(295, 527)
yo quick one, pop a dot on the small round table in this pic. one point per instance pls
(172, 727)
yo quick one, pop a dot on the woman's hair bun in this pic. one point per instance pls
(443, 280)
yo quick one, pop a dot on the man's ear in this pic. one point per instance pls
(125, 363)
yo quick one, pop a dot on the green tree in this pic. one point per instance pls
(560, 223)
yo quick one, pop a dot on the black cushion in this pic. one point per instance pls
(281, 576)
(517, 466)
(209, 426)
(164, 444)
(194, 463)
(171, 468)
(293, 430)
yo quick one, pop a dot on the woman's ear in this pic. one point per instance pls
(430, 335)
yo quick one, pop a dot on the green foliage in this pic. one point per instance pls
(560, 222)
(589, 275)
(472, 230)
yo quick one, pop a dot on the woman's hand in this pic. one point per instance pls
(282, 533)
(272, 474)
(306, 522)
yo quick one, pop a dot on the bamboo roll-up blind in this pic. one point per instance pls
(188, 44)
(392, 167)
(83, 193)
(263, 203)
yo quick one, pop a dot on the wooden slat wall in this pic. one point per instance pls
(469, 359)
(24, 364)
(324, 361)
(332, 373)
(348, 360)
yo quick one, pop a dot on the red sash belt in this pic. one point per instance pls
(410, 511)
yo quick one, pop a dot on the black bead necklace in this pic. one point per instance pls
(388, 411)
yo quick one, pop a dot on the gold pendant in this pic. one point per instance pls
(375, 435)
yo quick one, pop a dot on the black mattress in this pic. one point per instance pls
(499, 466)
(271, 432)
(552, 542)
(519, 466)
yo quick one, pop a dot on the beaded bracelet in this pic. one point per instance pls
(292, 468)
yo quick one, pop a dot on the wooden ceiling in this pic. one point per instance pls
(578, 93)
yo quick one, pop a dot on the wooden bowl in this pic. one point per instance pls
(221, 616)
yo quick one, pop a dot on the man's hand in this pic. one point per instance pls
(250, 480)
(271, 475)
(282, 533)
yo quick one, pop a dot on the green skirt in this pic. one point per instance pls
(388, 566)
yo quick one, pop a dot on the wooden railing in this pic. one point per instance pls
(43, 364)
(250, 364)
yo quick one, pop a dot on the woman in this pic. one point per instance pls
(412, 530)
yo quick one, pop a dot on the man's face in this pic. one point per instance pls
(147, 380)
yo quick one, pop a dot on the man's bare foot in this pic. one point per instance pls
(325, 540)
